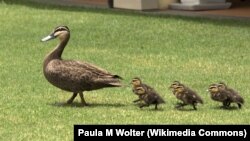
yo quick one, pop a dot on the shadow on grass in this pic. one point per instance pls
(228, 108)
(196, 19)
(186, 109)
(156, 110)
(91, 105)
(151, 108)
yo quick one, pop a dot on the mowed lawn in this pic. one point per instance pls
(158, 49)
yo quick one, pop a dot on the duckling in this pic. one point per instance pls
(234, 96)
(187, 96)
(149, 97)
(136, 82)
(224, 86)
(74, 76)
(219, 95)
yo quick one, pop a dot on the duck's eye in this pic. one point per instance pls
(59, 29)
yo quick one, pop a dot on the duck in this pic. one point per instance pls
(137, 82)
(187, 96)
(71, 75)
(234, 96)
(149, 97)
(219, 95)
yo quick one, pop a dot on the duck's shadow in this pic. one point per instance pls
(185, 109)
(80, 105)
(228, 108)
(156, 110)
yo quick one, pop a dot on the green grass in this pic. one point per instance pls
(159, 49)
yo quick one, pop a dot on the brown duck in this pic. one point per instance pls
(149, 97)
(74, 76)
(234, 96)
(136, 82)
(187, 96)
(219, 95)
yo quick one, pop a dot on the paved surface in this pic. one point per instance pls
(239, 10)
(236, 11)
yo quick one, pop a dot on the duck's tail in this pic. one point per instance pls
(199, 99)
(160, 100)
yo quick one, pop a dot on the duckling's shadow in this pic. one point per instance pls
(185, 109)
(228, 108)
(156, 110)
(80, 105)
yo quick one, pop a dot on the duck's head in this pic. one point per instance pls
(179, 89)
(61, 32)
(222, 85)
(174, 85)
(213, 88)
(136, 81)
(140, 91)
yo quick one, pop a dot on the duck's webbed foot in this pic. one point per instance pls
(137, 100)
(143, 105)
(180, 105)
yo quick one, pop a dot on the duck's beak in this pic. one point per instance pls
(47, 38)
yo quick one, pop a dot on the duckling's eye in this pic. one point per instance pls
(211, 87)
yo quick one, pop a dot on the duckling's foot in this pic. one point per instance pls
(137, 100)
(143, 105)
(72, 98)
(225, 107)
(178, 106)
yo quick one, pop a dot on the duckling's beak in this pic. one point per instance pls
(47, 38)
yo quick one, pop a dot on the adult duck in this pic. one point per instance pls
(74, 76)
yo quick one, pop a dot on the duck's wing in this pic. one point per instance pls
(194, 96)
(82, 71)
(148, 88)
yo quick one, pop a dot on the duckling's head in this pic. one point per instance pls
(61, 32)
(136, 81)
(174, 85)
(222, 85)
(179, 89)
(140, 90)
(213, 88)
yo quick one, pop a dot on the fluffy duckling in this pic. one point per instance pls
(233, 95)
(219, 95)
(136, 82)
(149, 97)
(187, 96)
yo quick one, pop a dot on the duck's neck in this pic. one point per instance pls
(57, 52)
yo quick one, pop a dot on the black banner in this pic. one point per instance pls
(239, 132)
